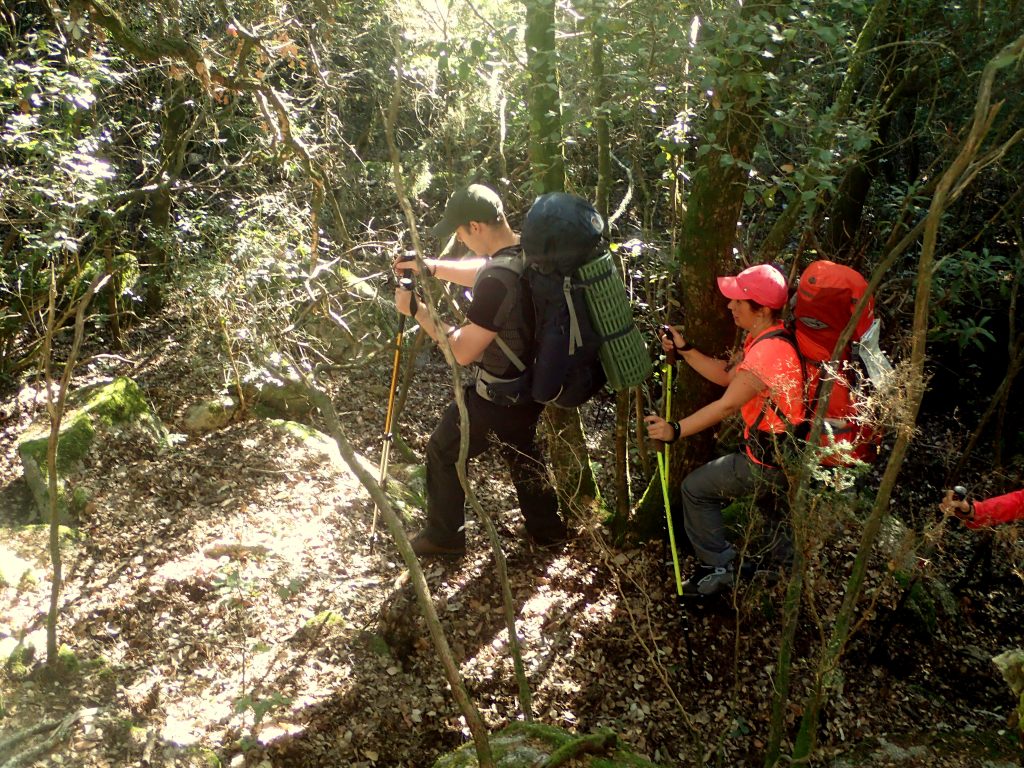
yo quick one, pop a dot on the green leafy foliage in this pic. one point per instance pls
(972, 297)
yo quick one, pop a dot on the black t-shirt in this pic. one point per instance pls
(498, 306)
(490, 307)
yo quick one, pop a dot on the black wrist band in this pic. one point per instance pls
(687, 346)
(676, 430)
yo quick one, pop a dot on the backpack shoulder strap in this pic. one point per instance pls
(575, 334)
(510, 258)
(786, 335)
(780, 333)
(512, 356)
(513, 260)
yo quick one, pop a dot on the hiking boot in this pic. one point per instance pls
(753, 568)
(424, 546)
(709, 580)
(550, 539)
(547, 536)
(548, 542)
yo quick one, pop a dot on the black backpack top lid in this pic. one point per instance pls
(561, 233)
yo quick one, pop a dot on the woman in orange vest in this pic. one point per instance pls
(766, 387)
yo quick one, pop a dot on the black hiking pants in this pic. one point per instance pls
(513, 431)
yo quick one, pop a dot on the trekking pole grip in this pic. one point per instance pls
(671, 357)
(406, 283)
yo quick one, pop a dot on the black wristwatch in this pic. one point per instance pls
(687, 346)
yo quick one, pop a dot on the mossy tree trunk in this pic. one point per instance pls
(705, 240)
(543, 105)
(567, 444)
(56, 399)
(623, 402)
(172, 159)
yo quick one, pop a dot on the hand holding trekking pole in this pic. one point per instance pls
(672, 343)
(404, 295)
(955, 503)
(659, 428)
(406, 264)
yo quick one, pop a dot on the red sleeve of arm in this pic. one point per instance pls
(998, 510)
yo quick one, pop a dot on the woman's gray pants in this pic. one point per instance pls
(708, 490)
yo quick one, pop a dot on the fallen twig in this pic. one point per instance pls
(32, 754)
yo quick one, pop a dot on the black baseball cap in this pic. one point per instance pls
(474, 203)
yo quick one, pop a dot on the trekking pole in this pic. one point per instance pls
(406, 284)
(663, 469)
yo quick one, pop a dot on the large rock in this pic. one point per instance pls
(109, 410)
(321, 448)
(1011, 664)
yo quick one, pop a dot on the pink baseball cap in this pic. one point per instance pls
(762, 283)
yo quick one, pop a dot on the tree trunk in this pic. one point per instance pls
(566, 444)
(56, 399)
(704, 250)
(543, 97)
(160, 200)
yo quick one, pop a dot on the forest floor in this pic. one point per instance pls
(222, 606)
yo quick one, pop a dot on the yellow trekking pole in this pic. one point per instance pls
(663, 468)
(406, 284)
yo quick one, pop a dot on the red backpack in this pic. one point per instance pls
(825, 299)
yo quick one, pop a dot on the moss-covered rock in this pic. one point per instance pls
(99, 409)
(278, 393)
(1011, 665)
(211, 415)
(525, 745)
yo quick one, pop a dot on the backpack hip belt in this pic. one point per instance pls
(496, 389)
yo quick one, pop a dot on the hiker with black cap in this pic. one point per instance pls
(498, 315)
(765, 386)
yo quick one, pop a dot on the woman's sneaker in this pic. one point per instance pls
(709, 580)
